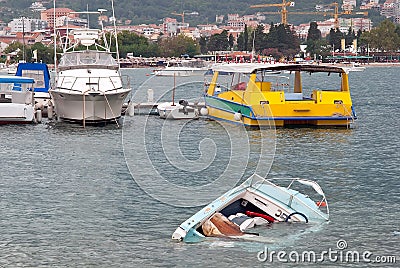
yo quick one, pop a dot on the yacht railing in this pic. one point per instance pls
(94, 83)
(350, 113)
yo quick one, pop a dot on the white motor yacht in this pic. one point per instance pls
(89, 87)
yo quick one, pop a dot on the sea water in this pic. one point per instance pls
(112, 197)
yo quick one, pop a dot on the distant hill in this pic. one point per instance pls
(153, 11)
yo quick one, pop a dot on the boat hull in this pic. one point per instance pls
(89, 107)
(274, 115)
(16, 113)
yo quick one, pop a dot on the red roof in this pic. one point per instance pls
(59, 9)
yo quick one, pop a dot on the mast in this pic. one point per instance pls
(116, 35)
(54, 34)
(88, 18)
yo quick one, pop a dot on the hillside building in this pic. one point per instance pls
(325, 27)
(68, 21)
(349, 5)
(173, 27)
(391, 9)
(48, 15)
(27, 25)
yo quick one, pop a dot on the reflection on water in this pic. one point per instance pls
(68, 197)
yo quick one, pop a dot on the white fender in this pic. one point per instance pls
(237, 116)
(204, 111)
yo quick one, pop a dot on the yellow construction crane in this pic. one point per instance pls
(335, 13)
(180, 14)
(283, 11)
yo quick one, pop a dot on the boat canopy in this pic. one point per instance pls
(255, 67)
(38, 71)
(16, 79)
(90, 58)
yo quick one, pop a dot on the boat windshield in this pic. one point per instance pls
(279, 78)
(285, 81)
(88, 57)
(232, 81)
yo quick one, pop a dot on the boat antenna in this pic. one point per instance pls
(54, 34)
(116, 35)
(101, 10)
(88, 18)
(65, 45)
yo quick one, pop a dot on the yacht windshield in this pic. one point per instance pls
(78, 58)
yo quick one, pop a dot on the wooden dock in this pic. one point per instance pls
(150, 108)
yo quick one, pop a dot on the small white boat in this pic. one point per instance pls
(357, 68)
(180, 110)
(354, 67)
(254, 202)
(183, 68)
(16, 100)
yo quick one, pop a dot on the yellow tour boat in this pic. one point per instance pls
(257, 94)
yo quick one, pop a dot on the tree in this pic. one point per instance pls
(313, 39)
(334, 38)
(44, 54)
(314, 33)
(245, 38)
(384, 37)
(178, 45)
(230, 41)
(240, 42)
(284, 39)
(364, 41)
(273, 52)
(15, 48)
(218, 42)
(203, 45)
(350, 36)
(259, 38)
(129, 42)
(359, 33)
(272, 37)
